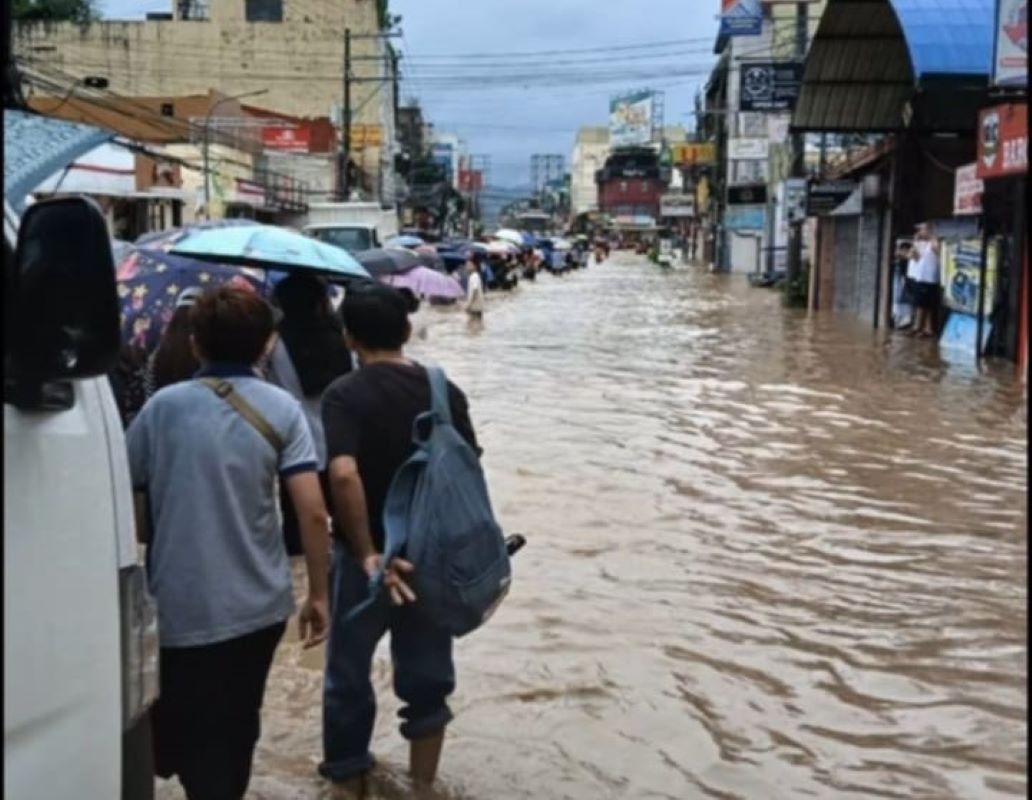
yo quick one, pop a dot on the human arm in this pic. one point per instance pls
(298, 472)
(349, 501)
(461, 418)
(313, 521)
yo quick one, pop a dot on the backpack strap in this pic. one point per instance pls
(225, 390)
(439, 402)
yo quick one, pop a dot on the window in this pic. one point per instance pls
(263, 10)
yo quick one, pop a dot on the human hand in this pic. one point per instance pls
(313, 622)
(396, 586)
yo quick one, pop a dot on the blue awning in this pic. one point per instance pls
(947, 37)
(869, 57)
(36, 147)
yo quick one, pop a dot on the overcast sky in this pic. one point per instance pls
(540, 80)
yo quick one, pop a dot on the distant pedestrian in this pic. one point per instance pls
(308, 356)
(924, 272)
(368, 417)
(474, 287)
(204, 455)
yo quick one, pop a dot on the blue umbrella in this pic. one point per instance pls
(404, 241)
(268, 246)
(163, 240)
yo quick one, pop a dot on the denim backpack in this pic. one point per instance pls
(437, 515)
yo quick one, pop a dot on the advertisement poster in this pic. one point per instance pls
(630, 119)
(747, 149)
(967, 191)
(286, 140)
(770, 85)
(1010, 66)
(961, 268)
(740, 18)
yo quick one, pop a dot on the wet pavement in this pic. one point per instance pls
(769, 556)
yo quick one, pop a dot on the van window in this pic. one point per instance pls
(351, 239)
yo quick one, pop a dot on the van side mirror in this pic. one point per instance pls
(67, 317)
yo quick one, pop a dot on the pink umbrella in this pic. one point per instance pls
(425, 282)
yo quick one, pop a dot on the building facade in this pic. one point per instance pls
(291, 52)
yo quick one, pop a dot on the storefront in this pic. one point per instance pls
(1002, 165)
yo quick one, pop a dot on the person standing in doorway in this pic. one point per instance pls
(924, 272)
(368, 417)
(204, 455)
(474, 287)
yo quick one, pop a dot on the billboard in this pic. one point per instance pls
(630, 119)
(677, 205)
(1010, 63)
(747, 149)
(688, 153)
(470, 180)
(740, 18)
(745, 218)
(286, 140)
(770, 85)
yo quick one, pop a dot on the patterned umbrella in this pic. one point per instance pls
(149, 281)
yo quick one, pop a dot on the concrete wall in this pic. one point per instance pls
(299, 61)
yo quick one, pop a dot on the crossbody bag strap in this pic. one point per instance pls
(225, 390)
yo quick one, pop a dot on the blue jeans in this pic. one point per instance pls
(424, 674)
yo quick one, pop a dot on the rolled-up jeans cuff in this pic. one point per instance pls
(424, 726)
(347, 768)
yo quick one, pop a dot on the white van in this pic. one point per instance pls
(80, 630)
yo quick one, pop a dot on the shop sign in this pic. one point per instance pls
(747, 149)
(747, 195)
(740, 18)
(795, 199)
(778, 128)
(825, 197)
(688, 153)
(1003, 141)
(770, 85)
(470, 180)
(1010, 63)
(745, 218)
(967, 191)
(677, 205)
(286, 140)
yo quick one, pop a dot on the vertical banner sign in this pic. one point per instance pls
(1010, 64)
(630, 119)
(961, 275)
(967, 191)
(770, 86)
(741, 18)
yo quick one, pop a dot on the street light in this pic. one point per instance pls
(205, 143)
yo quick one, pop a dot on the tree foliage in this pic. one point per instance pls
(54, 11)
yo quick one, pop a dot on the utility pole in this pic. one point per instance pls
(345, 121)
(794, 265)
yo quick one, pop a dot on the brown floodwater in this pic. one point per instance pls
(769, 556)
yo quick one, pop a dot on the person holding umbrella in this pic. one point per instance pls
(308, 356)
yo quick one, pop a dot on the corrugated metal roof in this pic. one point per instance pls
(869, 56)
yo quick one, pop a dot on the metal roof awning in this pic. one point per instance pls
(870, 56)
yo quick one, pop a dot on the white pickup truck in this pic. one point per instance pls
(80, 629)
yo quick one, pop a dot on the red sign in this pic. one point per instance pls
(289, 140)
(470, 180)
(1003, 141)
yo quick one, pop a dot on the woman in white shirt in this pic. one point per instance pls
(923, 270)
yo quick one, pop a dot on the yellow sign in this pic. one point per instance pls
(366, 136)
(688, 153)
(702, 194)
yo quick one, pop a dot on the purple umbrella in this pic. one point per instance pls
(425, 282)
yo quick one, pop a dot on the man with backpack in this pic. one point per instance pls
(372, 418)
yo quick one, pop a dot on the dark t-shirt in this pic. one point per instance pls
(368, 415)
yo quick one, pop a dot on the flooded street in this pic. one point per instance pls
(769, 556)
